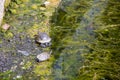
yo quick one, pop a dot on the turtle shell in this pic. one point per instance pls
(43, 56)
(43, 38)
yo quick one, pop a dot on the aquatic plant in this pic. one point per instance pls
(98, 46)
(67, 18)
(102, 63)
(68, 46)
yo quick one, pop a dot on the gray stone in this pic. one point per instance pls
(25, 53)
(2, 2)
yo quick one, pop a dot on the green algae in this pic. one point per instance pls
(9, 35)
(7, 2)
(6, 34)
(44, 69)
(101, 48)
(103, 62)
(65, 42)
(76, 55)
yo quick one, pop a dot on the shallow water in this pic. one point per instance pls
(75, 42)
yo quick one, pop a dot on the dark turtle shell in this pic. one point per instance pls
(43, 37)
(43, 56)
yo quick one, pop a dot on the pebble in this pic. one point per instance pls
(25, 53)
(6, 27)
(46, 3)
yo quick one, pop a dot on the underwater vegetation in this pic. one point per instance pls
(66, 19)
(102, 63)
(67, 43)
(92, 54)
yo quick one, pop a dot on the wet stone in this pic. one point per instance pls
(24, 52)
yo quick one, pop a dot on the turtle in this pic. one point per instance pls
(44, 39)
(43, 56)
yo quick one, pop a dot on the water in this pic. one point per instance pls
(72, 43)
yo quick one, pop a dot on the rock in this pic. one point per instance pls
(2, 3)
(46, 3)
(25, 53)
(6, 27)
